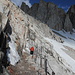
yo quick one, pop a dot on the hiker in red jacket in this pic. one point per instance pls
(32, 51)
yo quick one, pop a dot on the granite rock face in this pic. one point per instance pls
(24, 7)
(55, 17)
(71, 13)
(33, 10)
(48, 13)
(68, 24)
(42, 11)
(51, 15)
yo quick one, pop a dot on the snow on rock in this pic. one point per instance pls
(67, 60)
(69, 40)
(13, 56)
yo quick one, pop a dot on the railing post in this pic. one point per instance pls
(45, 65)
(41, 58)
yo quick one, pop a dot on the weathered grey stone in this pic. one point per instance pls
(48, 13)
(55, 16)
(71, 13)
(72, 9)
(33, 10)
(52, 8)
(55, 22)
(24, 7)
(62, 16)
(42, 11)
(3, 21)
(32, 35)
(68, 24)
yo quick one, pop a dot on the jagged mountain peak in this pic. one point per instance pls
(44, 11)
(72, 9)
(71, 13)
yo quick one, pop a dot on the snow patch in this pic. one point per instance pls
(13, 56)
(70, 38)
(58, 48)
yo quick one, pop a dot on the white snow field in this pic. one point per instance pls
(69, 41)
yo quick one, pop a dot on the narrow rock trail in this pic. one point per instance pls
(22, 67)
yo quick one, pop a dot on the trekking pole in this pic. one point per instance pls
(36, 53)
(40, 60)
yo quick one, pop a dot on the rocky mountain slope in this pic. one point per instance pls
(20, 31)
(71, 13)
(51, 15)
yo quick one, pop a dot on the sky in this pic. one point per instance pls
(65, 4)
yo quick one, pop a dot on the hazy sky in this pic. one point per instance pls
(65, 4)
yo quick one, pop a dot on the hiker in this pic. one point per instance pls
(32, 51)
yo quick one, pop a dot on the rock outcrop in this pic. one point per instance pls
(51, 15)
(24, 7)
(68, 24)
(48, 13)
(71, 13)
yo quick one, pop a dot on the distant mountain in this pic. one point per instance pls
(71, 13)
(50, 14)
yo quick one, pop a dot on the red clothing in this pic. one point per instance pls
(32, 49)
